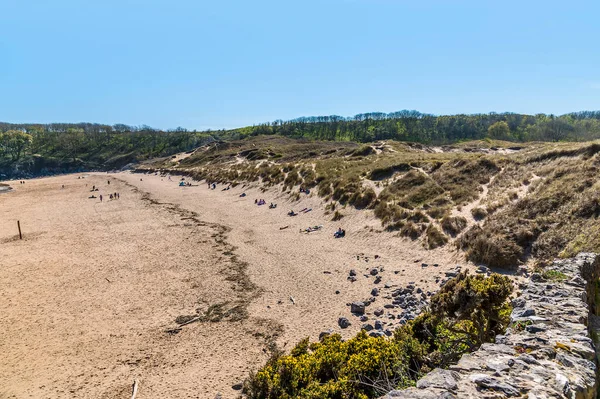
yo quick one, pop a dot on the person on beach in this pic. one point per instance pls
(100, 197)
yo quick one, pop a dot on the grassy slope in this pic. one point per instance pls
(541, 199)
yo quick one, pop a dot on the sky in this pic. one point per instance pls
(230, 63)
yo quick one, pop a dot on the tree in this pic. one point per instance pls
(499, 131)
(14, 142)
(72, 142)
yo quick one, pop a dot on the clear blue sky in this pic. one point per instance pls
(213, 64)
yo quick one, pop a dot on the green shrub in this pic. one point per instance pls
(478, 213)
(337, 216)
(468, 311)
(435, 238)
(411, 230)
(364, 199)
(453, 225)
(491, 248)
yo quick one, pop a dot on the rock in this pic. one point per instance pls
(452, 273)
(374, 271)
(389, 306)
(536, 277)
(482, 269)
(344, 322)
(376, 334)
(419, 290)
(375, 292)
(378, 312)
(237, 387)
(415, 393)
(424, 265)
(487, 382)
(352, 272)
(378, 325)
(552, 356)
(357, 308)
(324, 334)
(363, 318)
(439, 378)
(377, 280)
(337, 292)
(523, 312)
(352, 279)
(367, 327)
(535, 328)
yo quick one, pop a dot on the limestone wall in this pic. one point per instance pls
(549, 353)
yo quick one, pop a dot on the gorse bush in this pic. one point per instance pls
(468, 311)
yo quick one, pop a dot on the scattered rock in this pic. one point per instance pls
(344, 322)
(357, 308)
(366, 327)
(237, 387)
(374, 271)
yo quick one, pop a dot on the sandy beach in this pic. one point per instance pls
(89, 298)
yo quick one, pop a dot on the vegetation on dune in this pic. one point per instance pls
(541, 200)
(468, 311)
(558, 214)
(90, 145)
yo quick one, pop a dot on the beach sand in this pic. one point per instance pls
(87, 296)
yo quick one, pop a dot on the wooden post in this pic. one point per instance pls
(19, 226)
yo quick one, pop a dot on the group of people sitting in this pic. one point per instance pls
(304, 190)
(272, 206)
(185, 184)
(260, 201)
(339, 233)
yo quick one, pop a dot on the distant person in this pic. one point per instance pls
(118, 195)
(108, 182)
(63, 186)
(100, 197)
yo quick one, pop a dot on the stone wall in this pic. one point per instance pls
(547, 353)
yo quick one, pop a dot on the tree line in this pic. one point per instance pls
(100, 145)
(92, 144)
(414, 126)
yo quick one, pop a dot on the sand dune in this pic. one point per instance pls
(87, 297)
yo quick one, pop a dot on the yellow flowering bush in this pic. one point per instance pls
(468, 311)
